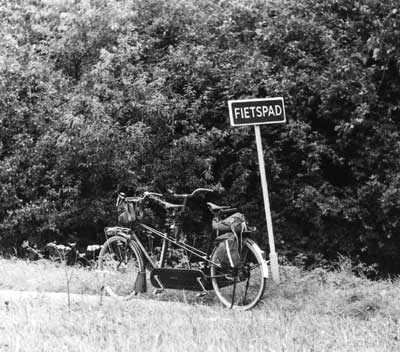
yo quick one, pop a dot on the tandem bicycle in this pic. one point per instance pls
(233, 265)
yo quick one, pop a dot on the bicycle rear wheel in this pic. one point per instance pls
(123, 267)
(242, 287)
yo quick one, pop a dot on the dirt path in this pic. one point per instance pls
(54, 297)
(10, 296)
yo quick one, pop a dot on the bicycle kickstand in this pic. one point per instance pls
(158, 290)
(204, 292)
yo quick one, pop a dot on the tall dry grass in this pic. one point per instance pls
(308, 311)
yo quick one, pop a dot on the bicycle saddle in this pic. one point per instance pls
(213, 206)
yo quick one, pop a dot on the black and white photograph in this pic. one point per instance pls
(199, 175)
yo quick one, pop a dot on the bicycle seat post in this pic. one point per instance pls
(178, 218)
(184, 205)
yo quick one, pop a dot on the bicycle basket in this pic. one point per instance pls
(132, 211)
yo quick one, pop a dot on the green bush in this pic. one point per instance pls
(91, 89)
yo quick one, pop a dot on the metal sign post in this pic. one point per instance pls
(256, 112)
(273, 257)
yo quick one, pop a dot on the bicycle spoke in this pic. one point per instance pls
(242, 287)
(245, 291)
(123, 268)
(233, 294)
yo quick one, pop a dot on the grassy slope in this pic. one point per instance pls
(314, 311)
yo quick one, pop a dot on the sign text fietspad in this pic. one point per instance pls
(256, 111)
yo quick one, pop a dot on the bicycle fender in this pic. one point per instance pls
(136, 247)
(262, 255)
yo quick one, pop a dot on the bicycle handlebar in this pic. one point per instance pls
(122, 197)
(189, 195)
(149, 194)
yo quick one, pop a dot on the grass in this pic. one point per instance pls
(308, 311)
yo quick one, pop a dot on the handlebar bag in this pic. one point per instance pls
(132, 212)
(235, 223)
(227, 251)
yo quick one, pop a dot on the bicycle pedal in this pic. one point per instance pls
(158, 291)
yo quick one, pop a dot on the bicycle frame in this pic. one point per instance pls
(166, 239)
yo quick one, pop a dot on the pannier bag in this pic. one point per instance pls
(227, 251)
(235, 223)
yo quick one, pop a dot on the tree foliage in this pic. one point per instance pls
(91, 90)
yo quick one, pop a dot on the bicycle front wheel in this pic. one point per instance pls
(242, 287)
(123, 268)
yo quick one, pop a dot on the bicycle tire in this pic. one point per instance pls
(121, 262)
(240, 288)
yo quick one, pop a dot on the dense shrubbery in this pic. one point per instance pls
(92, 89)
